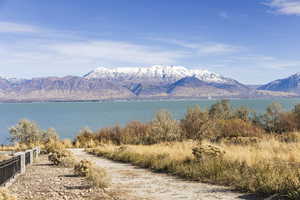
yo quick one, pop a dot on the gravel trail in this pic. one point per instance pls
(148, 185)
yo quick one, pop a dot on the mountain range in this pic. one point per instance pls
(141, 83)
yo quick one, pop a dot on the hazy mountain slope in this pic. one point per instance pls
(66, 88)
(193, 87)
(289, 84)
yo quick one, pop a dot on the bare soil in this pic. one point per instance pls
(43, 181)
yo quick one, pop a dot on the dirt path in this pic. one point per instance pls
(148, 185)
(43, 181)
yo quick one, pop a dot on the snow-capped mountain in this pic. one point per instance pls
(159, 72)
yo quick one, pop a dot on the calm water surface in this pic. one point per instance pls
(68, 118)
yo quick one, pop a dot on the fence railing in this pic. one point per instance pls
(9, 168)
(17, 164)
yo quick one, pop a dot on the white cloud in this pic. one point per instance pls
(10, 27)
(285, 7)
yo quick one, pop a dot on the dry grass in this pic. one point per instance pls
(97, 176)
(266, 167)
(4, 195)
(4, 157)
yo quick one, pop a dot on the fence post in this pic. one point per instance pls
(23, 166)
(38, 151)
(31, 155)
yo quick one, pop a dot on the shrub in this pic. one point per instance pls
(85, 137)
(67, 143)
(205, 152)
(135, 132)
(192, 123)
(82, 168)
(221, 110)
(271, 119)
(26, 132)
(235, 128)
(163, 128)
(53, 146)
(63, 158)
(98, 177)
(241, 140)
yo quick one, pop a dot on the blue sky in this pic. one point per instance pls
(253, 41)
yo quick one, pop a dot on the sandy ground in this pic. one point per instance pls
(148, 185)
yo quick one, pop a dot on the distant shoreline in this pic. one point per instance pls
(147, 99)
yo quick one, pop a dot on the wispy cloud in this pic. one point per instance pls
(224, 15)
(204, 48)
(10, 27)
(285, 7)
(44, 57)
(118, 51)
(261, 62)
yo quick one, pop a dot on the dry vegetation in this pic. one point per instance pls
(221, 145)
(95, 175)
(268, 167)
(4, 195)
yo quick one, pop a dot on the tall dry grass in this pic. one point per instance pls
(266, 167)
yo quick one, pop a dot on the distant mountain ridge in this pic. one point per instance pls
(289, 84)
(139, 83)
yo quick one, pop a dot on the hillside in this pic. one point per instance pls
(289, 84)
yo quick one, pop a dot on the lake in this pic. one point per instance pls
(67, 118)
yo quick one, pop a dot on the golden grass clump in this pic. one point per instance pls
(97, 176)
(4, 195)
(60, 156)
(204, 152)
(4, 157)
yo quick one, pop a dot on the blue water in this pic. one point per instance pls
(68, 118)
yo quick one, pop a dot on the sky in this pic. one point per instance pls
(252, 41)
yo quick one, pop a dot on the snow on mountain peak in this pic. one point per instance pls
(159, 72)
